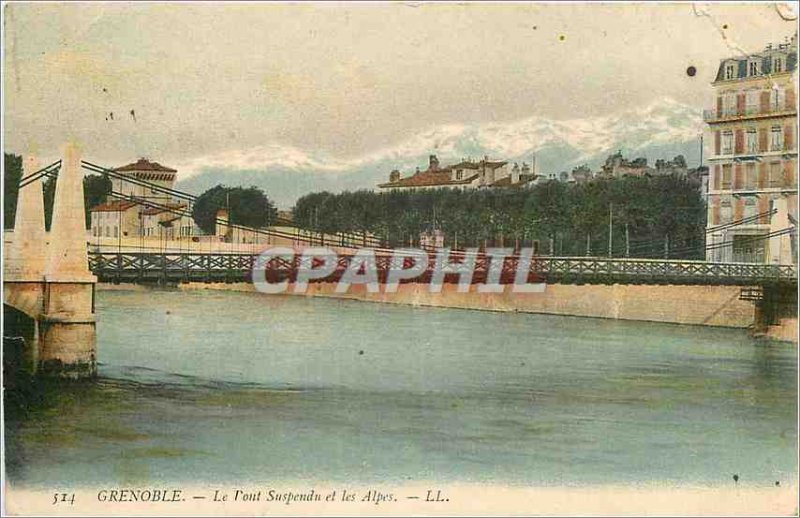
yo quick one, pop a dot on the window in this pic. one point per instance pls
(776, 139)
(752, 140)
(729, 71)
(777, 65)
(729, 104)
(750, 176)
(750, 207)
(727, 142)
(459, 174)
(726, 176)
(752, 68)
(108, 232)
(116, 231)
(752, 102)
(725, 212)
(777, 98)
(775, 174)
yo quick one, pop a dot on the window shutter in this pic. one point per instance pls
(788, 173)
(718, 141)
(762, 175)
(719, 106)
(790, 98)
(715, 213)
(762, 139)
(740, 104)
(738, 209)
(763, 207)
(765, 101)
(737, 176)
(788, 137)
(739, 142)
(717, 176)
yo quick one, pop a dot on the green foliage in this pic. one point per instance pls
(95, 189)
(560, 216)
(248, 207)
(12, 173)
(49, 187)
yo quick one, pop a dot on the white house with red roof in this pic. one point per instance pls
(119, 218)
(466, 174)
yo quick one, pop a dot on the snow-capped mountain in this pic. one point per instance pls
(662, 129)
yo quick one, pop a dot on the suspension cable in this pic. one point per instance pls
(23, 182)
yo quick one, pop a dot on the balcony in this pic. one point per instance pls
(747, 112)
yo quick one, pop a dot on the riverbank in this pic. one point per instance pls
(696, 305)
(715, 306)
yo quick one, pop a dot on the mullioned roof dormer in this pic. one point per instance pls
(773, 60)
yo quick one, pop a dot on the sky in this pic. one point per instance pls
(186, 81)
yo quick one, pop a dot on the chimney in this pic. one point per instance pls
(515, 174)
(433, 163)
(533, 165)
(394, 176)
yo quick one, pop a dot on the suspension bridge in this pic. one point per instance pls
(161, 265)
(51, 277)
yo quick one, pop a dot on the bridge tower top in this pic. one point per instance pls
(27, 253)
(67, 260)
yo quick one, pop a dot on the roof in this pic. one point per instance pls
(167, 207)
(441, 176)
(429, 179)
(464, 165)
(113, 206)
(789, 51)
(145, 165)
(506, 181)
(491, 165)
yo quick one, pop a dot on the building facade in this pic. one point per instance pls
(116, 218)
(752, 184)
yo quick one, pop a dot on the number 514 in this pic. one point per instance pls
(64, 498)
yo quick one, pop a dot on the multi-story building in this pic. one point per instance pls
(117, 218)
(752, 190)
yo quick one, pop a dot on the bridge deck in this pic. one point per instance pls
(184, 267)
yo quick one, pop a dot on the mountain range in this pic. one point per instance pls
(663, 129)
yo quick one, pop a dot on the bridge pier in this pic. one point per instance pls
(67, 324)
(51, 283)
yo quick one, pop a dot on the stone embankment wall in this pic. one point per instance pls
(696, 305)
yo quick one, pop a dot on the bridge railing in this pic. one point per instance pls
(145, 266)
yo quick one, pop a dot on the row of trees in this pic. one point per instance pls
(650, 217)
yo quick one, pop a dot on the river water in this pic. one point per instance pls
(222, 387)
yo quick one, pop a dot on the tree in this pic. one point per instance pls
(12, 174)
(95, 190)
(248, 207)
(560, 214)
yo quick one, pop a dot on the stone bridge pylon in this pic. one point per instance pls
(46, 275)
